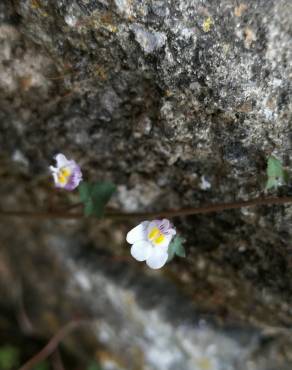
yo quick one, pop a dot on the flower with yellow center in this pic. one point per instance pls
(150, 241)
(66, 174)
(205, 355)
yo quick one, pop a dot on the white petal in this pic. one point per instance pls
(61, 160)
(55, 176)
(171, 231)
(71, 163)
(138, 233)
(53, 169)
(141, 250)
(157, 259)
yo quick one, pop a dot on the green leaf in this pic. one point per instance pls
(277, 176)
(94, 366)
(85, 189)
(42, 366)
(9, 357)
(95, 196)
(176, 248)
(274, 168)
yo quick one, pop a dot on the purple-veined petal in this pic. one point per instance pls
(165, 224)
(160, 228)
(75, 177)
(167, 227)
(72, 180)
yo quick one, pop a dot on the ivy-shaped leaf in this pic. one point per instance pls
(277, 176)
(95, 196)
(176, 248)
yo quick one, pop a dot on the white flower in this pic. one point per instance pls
(206, 358)
(67, 174)
(150, 241)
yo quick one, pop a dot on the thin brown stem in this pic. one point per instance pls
(210, 208)
(52, 344)
(57, 363)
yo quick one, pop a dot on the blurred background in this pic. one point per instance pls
(179, 103)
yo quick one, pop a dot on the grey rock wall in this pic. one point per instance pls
(179, 103)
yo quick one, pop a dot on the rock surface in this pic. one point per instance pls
(179, 103)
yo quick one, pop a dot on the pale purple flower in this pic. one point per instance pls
(67, 174)
(150, 241)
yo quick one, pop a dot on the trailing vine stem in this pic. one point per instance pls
(115, 215)
(53, 344)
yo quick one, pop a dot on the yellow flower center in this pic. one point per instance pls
(64, 175)
(156, 236)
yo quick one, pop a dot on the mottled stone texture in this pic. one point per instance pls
(179, 102)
